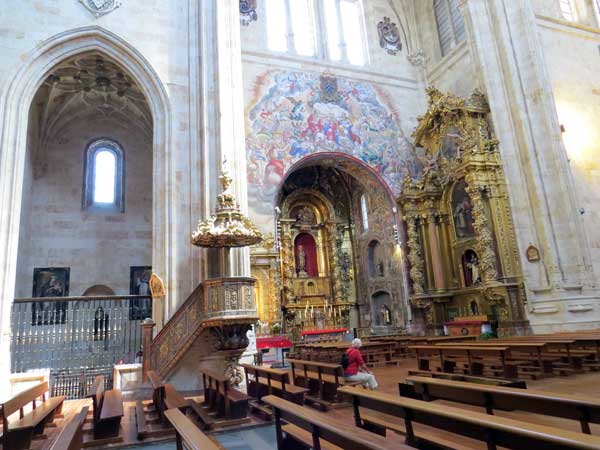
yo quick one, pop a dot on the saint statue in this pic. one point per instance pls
(473, 266)
(386, 316)
(301, 261)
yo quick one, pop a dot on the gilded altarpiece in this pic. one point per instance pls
(461, 244)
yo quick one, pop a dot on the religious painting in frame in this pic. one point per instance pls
(452, 143)
(50, 282)
(462, 208)
(139, 284)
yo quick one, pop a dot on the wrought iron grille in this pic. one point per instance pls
(74, 384)
(76, 333)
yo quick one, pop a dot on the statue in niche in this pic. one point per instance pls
(471, 268)
(474, 308)
(301, 262)
(386, 315)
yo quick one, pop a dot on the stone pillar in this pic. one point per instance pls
(509, 60)
(223, 126)
(222, 144)
(147, 327)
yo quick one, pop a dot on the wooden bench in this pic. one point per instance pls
(530, 357)
(188, 435)
(584, 410)
(71, 435)
(494, 431)
(495, 360)
(222, 398)
(261, 381)
(311, 429)
(17, 434)
(158, 390)
(322, 381)
(150, 419)
(107, 410)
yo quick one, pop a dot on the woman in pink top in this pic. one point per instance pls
(357, 370)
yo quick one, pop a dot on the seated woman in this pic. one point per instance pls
(356, 369)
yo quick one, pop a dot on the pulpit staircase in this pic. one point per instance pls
(178, 334)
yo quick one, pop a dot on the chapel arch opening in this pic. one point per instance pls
(87, 193)
(321, 199)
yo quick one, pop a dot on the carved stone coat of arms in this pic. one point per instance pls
(100, 7)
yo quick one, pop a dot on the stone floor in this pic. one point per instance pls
(263, 438)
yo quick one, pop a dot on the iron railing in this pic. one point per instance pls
(75, 333)
(75, 383)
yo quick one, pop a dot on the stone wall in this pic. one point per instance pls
(99, 247)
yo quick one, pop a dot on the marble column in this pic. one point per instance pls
(510, 63)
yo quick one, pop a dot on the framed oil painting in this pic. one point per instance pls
(452, 143)
(462, 208)
(139, 284)
(50, 282)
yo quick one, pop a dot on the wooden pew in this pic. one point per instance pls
(316, 430)
(322, 381)
(584, 410)
(532, 359)
(188, 435)
(17, 434)
(107, 410)
(158, 390)
(71, 435)
(476, 360)
(494, 431)
(267, 381)
(222, 398)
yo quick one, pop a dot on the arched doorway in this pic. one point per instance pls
(326, 196)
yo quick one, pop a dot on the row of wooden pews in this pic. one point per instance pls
(518, 357)
(263, 381)
(18, 433)
(415, 422)
(380, 412)
(377, 351)
(37, 411)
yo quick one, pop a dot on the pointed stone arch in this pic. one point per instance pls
(15, 100)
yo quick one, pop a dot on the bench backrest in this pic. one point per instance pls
(71, 436)
(23, 398)
(188, 433)
(267, 373)
(502, 397)
(324, 427)
(302, 367)
(496, 431)
(173, 399)
(158, 390)
(96, 393)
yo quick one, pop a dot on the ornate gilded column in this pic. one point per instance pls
(485, 240)
(415, 255)
(332, 248)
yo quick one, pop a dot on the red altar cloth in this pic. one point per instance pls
(273, 342)
(333, 330)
